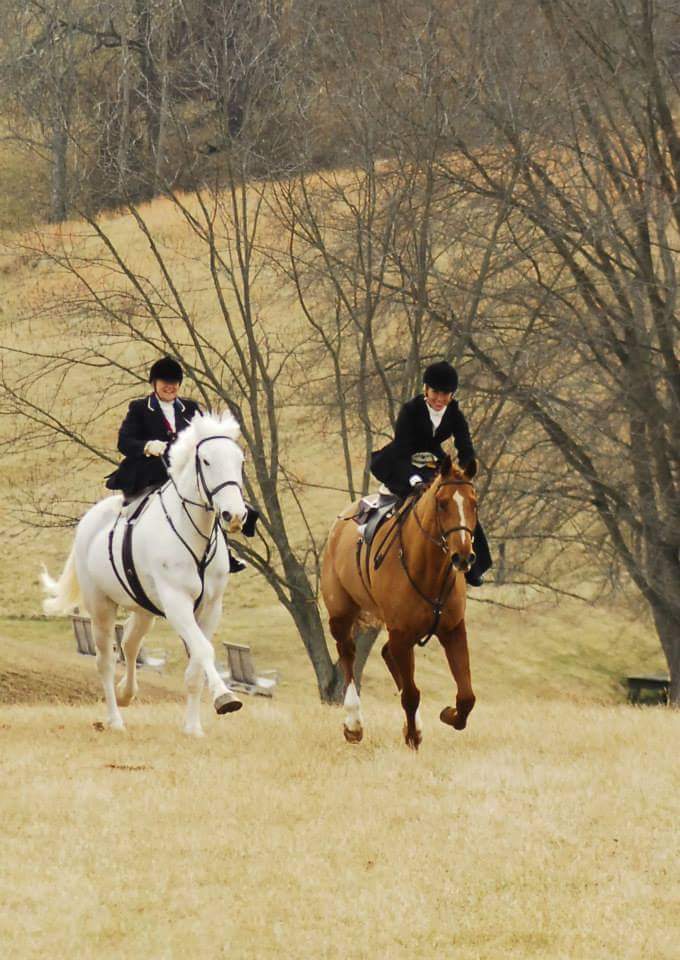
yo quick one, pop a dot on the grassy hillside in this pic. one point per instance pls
(547, 650)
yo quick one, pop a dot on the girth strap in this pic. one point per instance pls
(134, 590)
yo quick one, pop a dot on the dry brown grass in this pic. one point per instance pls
(546, 830)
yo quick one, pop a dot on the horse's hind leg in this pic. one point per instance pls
(456, 649)
(103, 613)
(401, 662)
(342, 628)
(136, 628)
(386, 654)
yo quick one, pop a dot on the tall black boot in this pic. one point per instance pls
(483, 561)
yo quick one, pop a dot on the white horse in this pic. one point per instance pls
(173, 537)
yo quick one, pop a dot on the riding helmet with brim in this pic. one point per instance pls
(166, 369)
(441, 376)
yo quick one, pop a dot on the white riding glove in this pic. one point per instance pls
(155, 448)
(414, 479)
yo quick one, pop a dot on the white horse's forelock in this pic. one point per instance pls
(208, 425)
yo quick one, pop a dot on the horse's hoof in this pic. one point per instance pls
(124, 699)
(412, 740)
(353, 736)
(451, 717)
(109, 725)
(227, 703)
(195, 732)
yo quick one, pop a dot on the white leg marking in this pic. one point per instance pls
(353, 719)
(418, 722)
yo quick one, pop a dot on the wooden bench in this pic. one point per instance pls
(242, 674)
(82, 628)
(659, 687)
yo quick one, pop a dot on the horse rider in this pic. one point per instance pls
(409, 462)
(149, 429)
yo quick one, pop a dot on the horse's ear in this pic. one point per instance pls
(445, 465)
(470, 469)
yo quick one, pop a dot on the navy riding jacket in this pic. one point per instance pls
(414, 434)
(144, 421)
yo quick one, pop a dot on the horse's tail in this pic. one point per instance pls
(62, 594)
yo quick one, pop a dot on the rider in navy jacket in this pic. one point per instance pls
(411, 459)
(149, 429)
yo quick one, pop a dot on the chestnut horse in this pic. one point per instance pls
(411, 577)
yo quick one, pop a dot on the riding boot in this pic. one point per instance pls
(236, 565)
(483, 561)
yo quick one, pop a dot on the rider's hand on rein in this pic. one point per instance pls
(155, 448)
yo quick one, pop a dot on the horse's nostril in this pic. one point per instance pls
(226, 516)
(471, 559)
(455, 559)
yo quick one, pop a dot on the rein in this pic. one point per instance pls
(137, 592)
(439, 602)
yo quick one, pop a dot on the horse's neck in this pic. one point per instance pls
(420, 530)
(202, 521)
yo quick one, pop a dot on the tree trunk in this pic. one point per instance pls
(59, 203)
(124, 126)
(334, 689)
(668, 629)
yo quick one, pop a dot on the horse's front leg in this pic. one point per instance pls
(136, 628)
(456, 648)
(194, 676)
(179, 612)
(400, 659)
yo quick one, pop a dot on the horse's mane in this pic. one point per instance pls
(208, 425)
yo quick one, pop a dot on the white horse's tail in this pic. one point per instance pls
(62, 594)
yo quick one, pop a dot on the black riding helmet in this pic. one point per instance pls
(441, 376)
(166, 369)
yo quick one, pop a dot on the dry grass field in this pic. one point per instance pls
(546, 830)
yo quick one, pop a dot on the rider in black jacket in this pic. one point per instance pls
(150, 427)
(411, 459)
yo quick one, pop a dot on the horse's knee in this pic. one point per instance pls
(193, 675)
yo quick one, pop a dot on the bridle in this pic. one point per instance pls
(211, 540)
(441, 541)
(210, 494)
(135, 589)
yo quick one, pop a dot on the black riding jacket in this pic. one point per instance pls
(414, 434)
(144, 421)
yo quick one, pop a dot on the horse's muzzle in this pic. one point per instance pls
(232, 523)
(463, 563)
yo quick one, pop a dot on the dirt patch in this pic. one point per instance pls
(40, 673)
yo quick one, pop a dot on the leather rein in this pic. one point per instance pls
(441, 541)
(137, 593)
